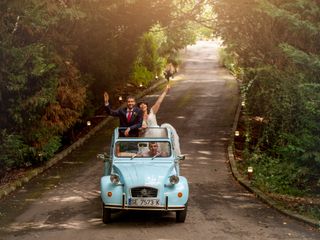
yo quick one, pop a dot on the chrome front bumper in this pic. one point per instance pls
(125, 206)
(146, 208)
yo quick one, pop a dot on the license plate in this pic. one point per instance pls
(144, 202)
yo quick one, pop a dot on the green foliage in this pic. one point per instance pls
(49, 148)
(306, 61)
(229, 60)
(57, 57)
(13, 151)
(141, 75)
(276, 43)
(35, 75)
(116, 30)
(148, 54)
(194, 17)
(304, 142)
(276, 175)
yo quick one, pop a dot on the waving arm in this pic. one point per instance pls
(156, 106)
(107, 108)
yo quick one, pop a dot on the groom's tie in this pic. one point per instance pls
(129, 116)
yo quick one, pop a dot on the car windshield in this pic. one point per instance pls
(146, 149)
(151, 132)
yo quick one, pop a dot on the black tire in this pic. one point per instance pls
(181, 215)
(106, 214)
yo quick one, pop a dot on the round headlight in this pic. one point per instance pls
(174, 179)
(114, 179)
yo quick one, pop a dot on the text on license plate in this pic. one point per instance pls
(144, 202)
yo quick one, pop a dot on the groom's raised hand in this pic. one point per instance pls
(106, 98)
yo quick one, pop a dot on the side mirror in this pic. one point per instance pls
(103, 156)
(181, 157)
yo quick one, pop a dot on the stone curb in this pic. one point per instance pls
(257, 192)
(10, 187)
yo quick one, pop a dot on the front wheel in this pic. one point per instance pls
(106, 214)
(181, 215)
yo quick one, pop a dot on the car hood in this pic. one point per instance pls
(144, 174)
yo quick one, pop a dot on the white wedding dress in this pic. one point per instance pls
(152, 122)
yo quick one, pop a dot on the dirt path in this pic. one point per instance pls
(64, 202)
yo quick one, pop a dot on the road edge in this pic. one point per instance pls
(247, 184)
(30, 174)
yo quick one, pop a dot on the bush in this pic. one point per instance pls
(141, 75)
(13, 151)
(148, 54)
(229, 61)
(277, 175)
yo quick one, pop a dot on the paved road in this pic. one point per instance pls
(64, 202)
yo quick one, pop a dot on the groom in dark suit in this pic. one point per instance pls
(130, 117)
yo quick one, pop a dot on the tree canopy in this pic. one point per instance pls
(57, 57)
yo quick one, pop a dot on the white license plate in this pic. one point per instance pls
(144, 202)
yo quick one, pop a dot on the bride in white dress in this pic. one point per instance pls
(150, 119)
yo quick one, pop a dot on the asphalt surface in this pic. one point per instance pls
(64, 202)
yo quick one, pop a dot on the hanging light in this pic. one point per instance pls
(250, 172)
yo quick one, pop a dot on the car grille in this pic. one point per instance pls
(144, 192)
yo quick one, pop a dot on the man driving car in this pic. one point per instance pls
(154, 151)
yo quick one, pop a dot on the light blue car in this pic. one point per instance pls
(142, 173)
